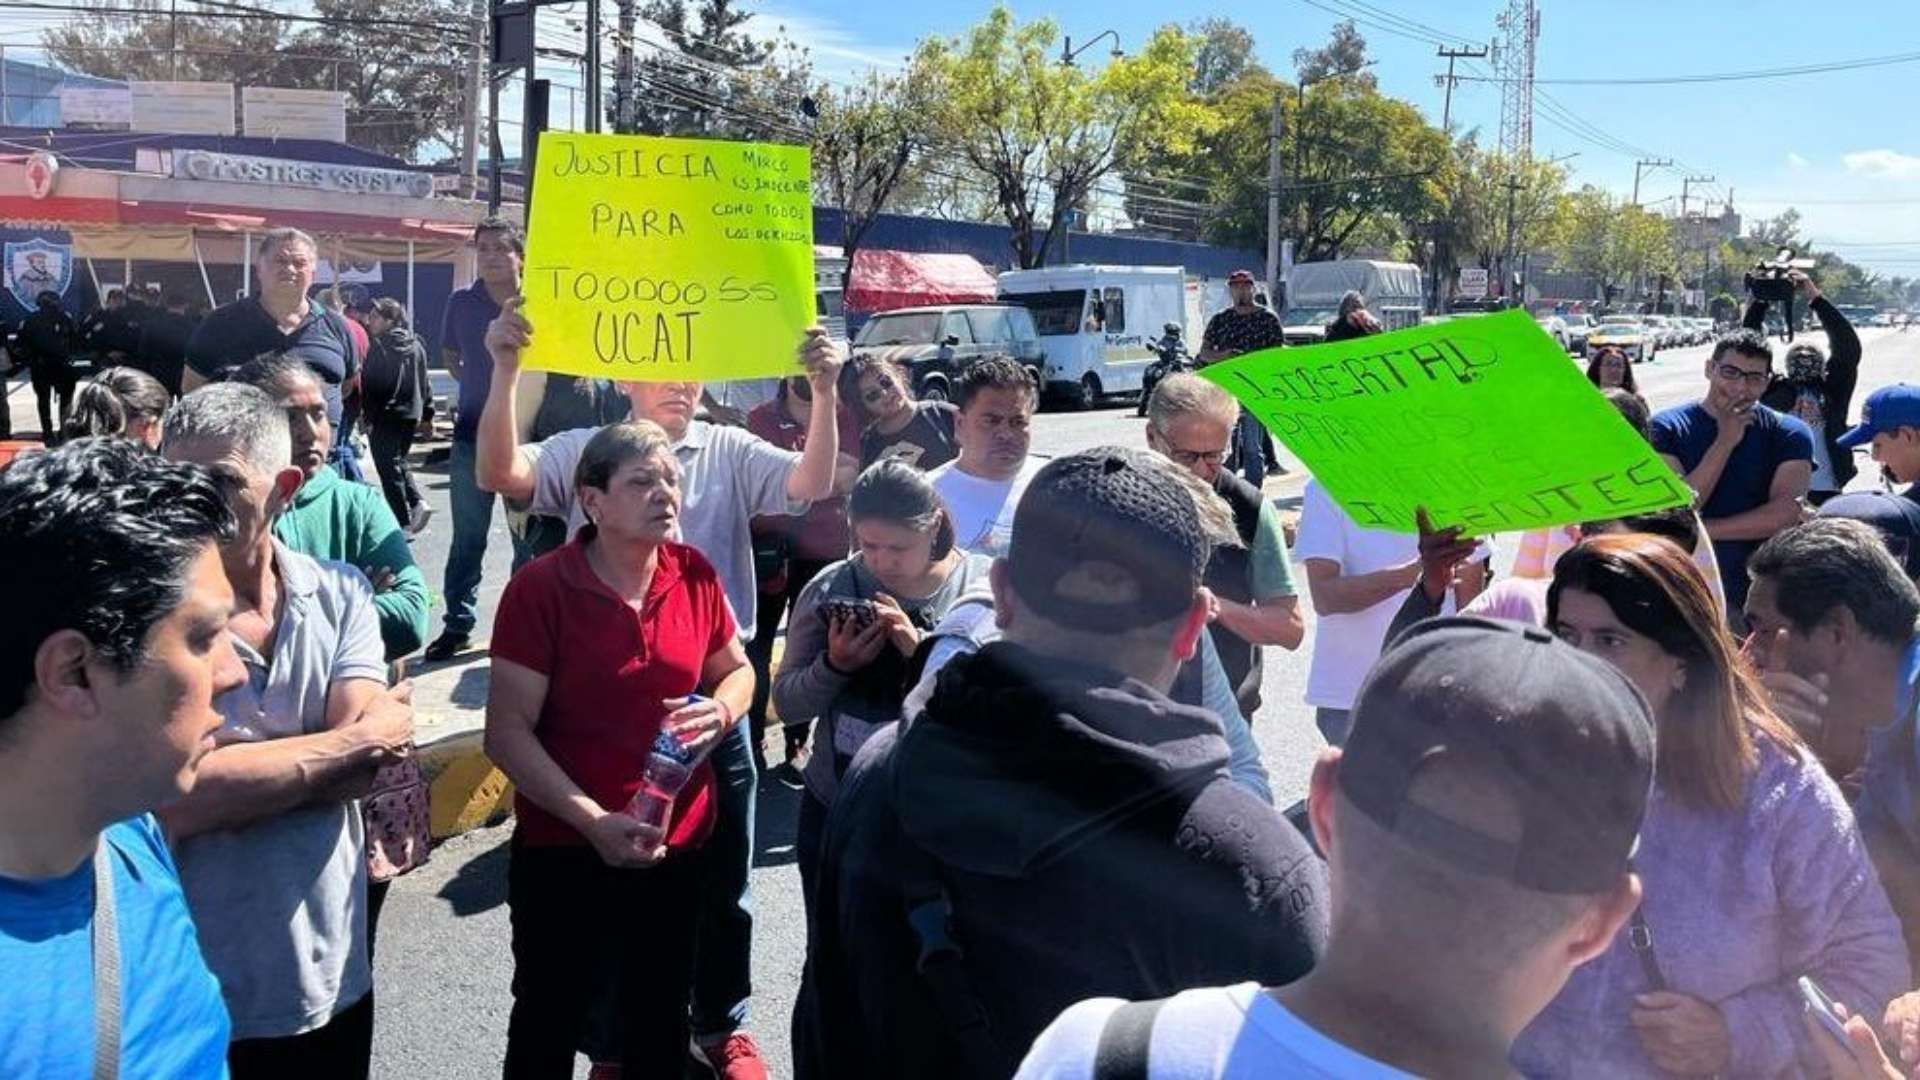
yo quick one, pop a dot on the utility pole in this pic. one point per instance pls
(478, 80)
(625, 111)
(173, 40)
(1506, 259)
(1646, 163)
(594, 112)
(1273, 209)
(1685, 184)
(1451, 55)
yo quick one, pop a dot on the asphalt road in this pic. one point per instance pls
(444, 964)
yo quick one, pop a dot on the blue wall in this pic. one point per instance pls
(992, 244)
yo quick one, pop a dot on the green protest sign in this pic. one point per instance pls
(1481, 420)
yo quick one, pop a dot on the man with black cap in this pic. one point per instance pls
(1052, 826)
(1243, 328)
(1478, 827)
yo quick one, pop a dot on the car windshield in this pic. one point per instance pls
(1311, 316)
(1054, 313)
(907, 328)
(1621, 323)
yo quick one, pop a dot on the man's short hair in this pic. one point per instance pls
(235, 415)
(97, 537)
(1676, 523)
(1107, 538)
(273, 240)
(1633, 409)
(992, 373)
(504, 229)
(1830, 563)
(1186, 394)
(1749, 343)
(274, 374)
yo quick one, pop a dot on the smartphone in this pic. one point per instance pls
(1821, 1006)
(860, 613)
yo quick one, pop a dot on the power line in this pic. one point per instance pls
(1737, 76)
(254, 14)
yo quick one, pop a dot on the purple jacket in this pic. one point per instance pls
(1740, 905)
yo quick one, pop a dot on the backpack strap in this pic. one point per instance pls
(106, 968)
(1124, 1040)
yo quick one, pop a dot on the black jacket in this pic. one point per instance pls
(1836, 390)
(46, 340)
(1084, 831)
(163, 347)
(393, 383)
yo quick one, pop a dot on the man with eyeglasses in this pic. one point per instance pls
(1748, 465)
(1191, 421)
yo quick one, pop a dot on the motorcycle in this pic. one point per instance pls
(1172, 358)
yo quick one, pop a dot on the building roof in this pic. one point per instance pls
(116, 150)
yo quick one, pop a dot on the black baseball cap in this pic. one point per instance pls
(1563, 735)
(1105, 539)
(1895, 517)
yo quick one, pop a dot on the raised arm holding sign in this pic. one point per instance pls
(1481, 420)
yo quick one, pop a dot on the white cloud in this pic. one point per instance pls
(839, 53)
(1889, 164)
(1795, 161)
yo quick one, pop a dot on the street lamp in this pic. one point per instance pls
(1068, 52)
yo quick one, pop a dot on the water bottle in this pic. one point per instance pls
(669, 767)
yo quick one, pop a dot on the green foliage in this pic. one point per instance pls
(1614, 241)
(1042, 133)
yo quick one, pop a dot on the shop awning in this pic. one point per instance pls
(883, 280)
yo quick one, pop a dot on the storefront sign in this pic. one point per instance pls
(275, 113)
(188, 108)
(354, 179)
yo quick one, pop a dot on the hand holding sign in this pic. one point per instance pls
(1480, 420)
(668, 259)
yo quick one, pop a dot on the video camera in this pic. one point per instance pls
(1768, 279)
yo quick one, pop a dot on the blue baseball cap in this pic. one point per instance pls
(1886, 409)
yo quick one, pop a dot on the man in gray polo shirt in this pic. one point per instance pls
(727, 477)
(270, 843)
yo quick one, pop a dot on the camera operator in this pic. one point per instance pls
(1817, 388)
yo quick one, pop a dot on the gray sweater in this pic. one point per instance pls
(807, 688)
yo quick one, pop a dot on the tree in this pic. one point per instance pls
(1224, 56)
(1044, 134)
(864, 144)
(1356, 157)
(1474, 227)
(1615, 242)
(403, 84)
(691, 88)
(1777, 232)
(1344, 54)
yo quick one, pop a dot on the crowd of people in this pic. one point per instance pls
(1610, 812)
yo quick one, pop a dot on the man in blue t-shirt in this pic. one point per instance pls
(1748, 465)
(114, 650)
(499, 252)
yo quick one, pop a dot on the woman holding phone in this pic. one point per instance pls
(857, 625)
(599, 648)
(1753, 871)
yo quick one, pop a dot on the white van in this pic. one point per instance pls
(1096, 323)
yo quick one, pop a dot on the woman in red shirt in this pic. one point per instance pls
(598, 647)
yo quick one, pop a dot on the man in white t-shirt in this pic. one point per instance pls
(1466, 887)
(982, 486)
(1357, 578)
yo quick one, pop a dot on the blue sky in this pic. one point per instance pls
(1842, 146)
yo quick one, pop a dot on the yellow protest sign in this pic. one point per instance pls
(1483, 420)
(667, 259)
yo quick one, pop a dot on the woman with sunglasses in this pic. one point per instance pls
(1609, 370)
(1753, 871)
(896, 427)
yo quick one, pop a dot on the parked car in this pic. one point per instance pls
(1579, 328)
(1626, 333)
(935, 344)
